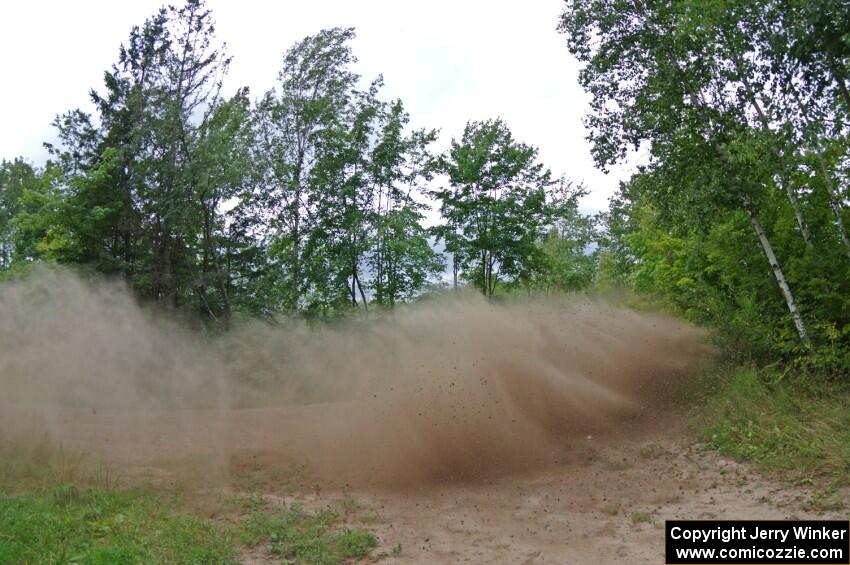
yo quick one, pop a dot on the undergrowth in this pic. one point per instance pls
(67, 524)
(788, 424)
(315, 538)
(60, 507)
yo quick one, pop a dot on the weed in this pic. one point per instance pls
(295, 534)
(355, 544)
(652, 451)
(349, 505)
(640, 517)
(797, 427)
(611, 509)
(825, 499)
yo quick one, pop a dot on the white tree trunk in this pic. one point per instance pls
(777, 272)
(833, 202)
(798, 213)
(789, 190)
(827, 178)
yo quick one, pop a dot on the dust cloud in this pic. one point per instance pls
(452, 388)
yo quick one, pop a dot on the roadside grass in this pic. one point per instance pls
(67, 524)
(796, 427)
(315, 538)
(57, 507)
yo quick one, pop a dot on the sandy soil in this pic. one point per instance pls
(599, 498)
(590, 511)
(605, 502)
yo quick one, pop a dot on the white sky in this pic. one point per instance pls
(448, 60)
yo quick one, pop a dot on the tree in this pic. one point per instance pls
(292, 126)
(401, 258)
(145, 185)
(656, 78)
(495, 207)
(15, 177)
(568, 260)
(741, 136)
(339, 174)
(220, 170)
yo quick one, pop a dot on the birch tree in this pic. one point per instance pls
(656, 80)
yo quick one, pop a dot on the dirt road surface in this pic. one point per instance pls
(604, 502)
(594, 498)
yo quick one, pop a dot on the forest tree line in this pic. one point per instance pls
(312, 199)
(309, 200)
(738, 215)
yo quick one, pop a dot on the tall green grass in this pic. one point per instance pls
(792, 425)
(60, 507)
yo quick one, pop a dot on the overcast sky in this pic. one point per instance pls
(449, 61)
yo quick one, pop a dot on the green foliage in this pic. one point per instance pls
(338, 173)
(639, 517)
(139, 190)
(565, 264)
(67, 524)
(738, 218)
(403, 260)
(310, 201)
(58, 506)
(791, 424)
(503, 216)
(15, 178)
(308, 538)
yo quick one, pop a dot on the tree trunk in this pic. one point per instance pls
(798, 213)
(296, 255)
(360, 288)
(352, 290)
(789, 190)
(777, 272)
(827, 178)
(484, 284)
(296, 240)
(454, 269)
(491, 278)
(833, 202)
